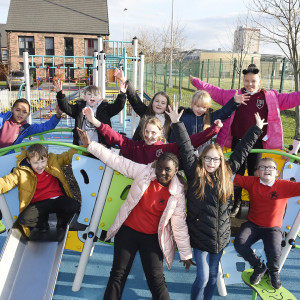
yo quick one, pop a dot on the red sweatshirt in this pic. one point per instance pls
(267, 203)
(139, 152)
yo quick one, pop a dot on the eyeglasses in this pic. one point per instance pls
(214, 159)
(264, 168)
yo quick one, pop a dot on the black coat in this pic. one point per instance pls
(104, 112)
(208, 219)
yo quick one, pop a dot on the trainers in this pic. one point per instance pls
(258, 274)
(275, 281)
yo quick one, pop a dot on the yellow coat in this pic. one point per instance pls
(23, 177)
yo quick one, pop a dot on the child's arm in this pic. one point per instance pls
(288, 100)
(65, 158)
(246, 144)
(226, 111)
(219, 95)
(63, 103)
(115, 107)
(119, 163)
(8, 182)
(112, 137)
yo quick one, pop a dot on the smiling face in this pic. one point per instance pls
(38, 164)
(165, 170)
(212, 161)
(267, 171)
(198, 109)
(151, 134)
(20, 112)
(92, 98)
(159, 104)
(251, 82)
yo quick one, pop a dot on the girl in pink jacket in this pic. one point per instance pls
(267, 103)
(151, 220)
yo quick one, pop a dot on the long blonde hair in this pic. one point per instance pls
(223, 175)
(203, 98)
(154, 121)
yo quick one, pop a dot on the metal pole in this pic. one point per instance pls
(95, 71)
(233, 75)
(171, 48)
(27, 80)
(101, 75)
(220, 72)
(282, 75)
(134, 79)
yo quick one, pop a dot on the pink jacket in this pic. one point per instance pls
(172, 228)
(275, 102)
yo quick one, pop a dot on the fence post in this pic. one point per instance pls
(207, 72)
(273, 72)
(220, 72)
(134, 81)
(233, 74)
(282, 75)
(189, 82)
(202, 68)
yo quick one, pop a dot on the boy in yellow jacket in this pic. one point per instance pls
(43, 189)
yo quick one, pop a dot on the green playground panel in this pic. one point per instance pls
(265, 290)
(116, 196)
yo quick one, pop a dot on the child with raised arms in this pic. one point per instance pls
(267, 103)
(157, 107)
(209, 199)
(268, 200)
(151, 147)
(151, 220)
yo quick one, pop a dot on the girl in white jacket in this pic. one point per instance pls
(151, 220)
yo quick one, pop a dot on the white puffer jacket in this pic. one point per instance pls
(172, 228)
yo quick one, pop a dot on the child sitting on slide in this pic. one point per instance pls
(43, 189)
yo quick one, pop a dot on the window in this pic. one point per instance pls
(26, 43)
(49, 46)
(21, 67)
(4, 55)
(69, 51)
(90, 46)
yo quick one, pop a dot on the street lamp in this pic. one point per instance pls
(125, 9)
(171, 48)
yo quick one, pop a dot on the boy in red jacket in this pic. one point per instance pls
(268, 199)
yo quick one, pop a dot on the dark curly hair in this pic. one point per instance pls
(251, 69)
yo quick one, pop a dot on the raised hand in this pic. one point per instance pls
(58, 112)
(241, 98)
(84, 138)
(219, 123)
(259, 121)
(173, 113)
(57, 84)
(119, 74)
(89, 114)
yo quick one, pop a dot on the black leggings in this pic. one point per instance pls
(127, 243)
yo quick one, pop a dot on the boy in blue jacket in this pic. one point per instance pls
(14, 128)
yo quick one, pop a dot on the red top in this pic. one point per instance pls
(142, 153)
(244, 116)
(267, 203)
(47, 187)
(146, 214)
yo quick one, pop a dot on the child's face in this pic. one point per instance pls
(38, 164)
(20, 112)
(151, 134)
(159, 104)
(267, 171)
(165, 170)
(251, 82)
(212, 161)
(92, 99)
(198, 109)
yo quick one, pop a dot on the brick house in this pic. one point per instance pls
(55, 27)
(3, 53)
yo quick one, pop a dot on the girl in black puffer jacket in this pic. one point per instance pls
(209, 198)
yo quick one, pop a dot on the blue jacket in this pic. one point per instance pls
(195, 124)
(29, 129)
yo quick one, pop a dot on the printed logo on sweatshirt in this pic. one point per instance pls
(274, 195)
(159, 152)
(161, 202)
(260, 103)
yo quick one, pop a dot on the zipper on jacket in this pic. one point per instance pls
(218, 205)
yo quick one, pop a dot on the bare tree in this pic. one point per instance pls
(280, 23)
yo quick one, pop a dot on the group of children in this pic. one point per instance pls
(154, 218)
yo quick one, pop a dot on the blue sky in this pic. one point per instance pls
(208, 24)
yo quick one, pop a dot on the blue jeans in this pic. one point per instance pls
(207, 272)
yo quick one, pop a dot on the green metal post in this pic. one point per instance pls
(202, 69)
(282, 75)
(273, 72)
(252, 60)
(220, 72)
(207, 72)
(233, 74)
(189, 82)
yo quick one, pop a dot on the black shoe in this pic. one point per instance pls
(236, 208)
(76, 226)
(39, 234)
(275, 281)
(258, 274)
(61, 232)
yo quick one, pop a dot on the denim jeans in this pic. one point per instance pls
(207, 272)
